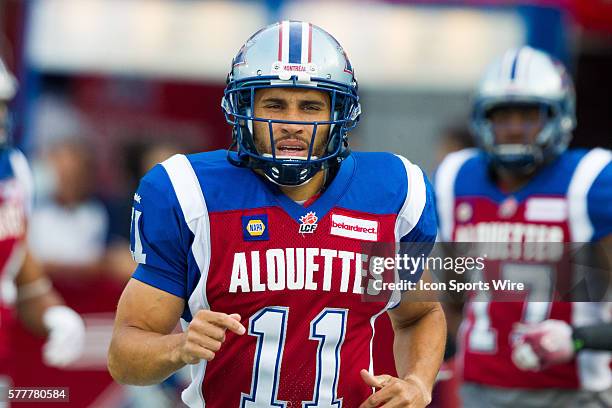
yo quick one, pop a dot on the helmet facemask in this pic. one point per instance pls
(296, 55)
(541, 140)
(528, 79)
(239, 107)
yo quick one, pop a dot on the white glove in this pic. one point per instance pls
(543, 344)
(66, 336)
(525, 358)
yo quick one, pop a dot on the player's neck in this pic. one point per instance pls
(304, 192)
(511, 182)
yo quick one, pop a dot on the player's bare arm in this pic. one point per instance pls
(420, 334)
(145, 351)
(35, 294)
(43, 312)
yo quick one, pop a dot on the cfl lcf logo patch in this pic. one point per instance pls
(308, 223)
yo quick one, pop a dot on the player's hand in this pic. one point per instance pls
(543, 344)
(66, 337)
(206, 334)
(394, 392)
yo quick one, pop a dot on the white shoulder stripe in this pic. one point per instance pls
(22, 172)
(186, 187)
(192, 202)
(414, 202)
(444, 186)
(407, 218)
(585, 174)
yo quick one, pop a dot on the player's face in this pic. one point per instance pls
(517, 124)
(307, 105)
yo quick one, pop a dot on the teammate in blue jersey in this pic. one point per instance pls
(25, 291)
(262, 252)
(524, 186)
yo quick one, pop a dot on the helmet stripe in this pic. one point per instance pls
(309, 43)
(306, 50)
(280, 41)
(285, 44)
(295, 42)
(514, 65)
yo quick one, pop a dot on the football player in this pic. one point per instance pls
(262, 252)
(24, 288)
(523, 185)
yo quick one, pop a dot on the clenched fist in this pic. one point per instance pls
(395, 392)
(206, 334)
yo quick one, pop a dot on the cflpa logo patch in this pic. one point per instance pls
(255, 227)
(308, 223)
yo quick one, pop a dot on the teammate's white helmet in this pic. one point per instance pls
(525, 76)
(8, 88)
(8, 84)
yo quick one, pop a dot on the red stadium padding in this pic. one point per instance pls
(594, 15)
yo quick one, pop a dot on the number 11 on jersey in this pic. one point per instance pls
(269, 325)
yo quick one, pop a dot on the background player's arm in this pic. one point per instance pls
(42, 310)
(553, 341)
(144, 351)
(34, 295)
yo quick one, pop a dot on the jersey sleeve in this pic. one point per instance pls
(159, 235)
(417, 224)
(419, 242)
(427, 226)
(598, 204)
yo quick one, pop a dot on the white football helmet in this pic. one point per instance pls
(8, 84)
(525, 76)
(291, 54)
(8, 88)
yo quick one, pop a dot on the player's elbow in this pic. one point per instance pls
(116, 366)
(127, 367)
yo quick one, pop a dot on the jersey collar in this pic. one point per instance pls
(328, 199)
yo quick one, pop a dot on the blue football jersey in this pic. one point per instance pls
(566, 201)
(225, 239)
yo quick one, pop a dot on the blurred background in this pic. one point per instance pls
(108, 88)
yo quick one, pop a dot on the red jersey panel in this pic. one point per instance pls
(14, 201)
(301, 298)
